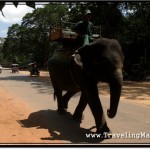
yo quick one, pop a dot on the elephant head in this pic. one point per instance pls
(102, 60)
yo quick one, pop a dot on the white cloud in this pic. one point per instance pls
(13, 14)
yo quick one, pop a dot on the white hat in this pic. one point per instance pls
(87, 12)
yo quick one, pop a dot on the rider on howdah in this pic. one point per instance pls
(84, 29)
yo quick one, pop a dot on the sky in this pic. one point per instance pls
(13, 15)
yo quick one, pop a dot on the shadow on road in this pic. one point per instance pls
(60, 127)
(42, 85)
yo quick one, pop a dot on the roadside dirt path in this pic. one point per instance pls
(14, 109)
(11, 131)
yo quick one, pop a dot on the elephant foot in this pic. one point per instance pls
(78, 117)
(104, 131)
(61, 112)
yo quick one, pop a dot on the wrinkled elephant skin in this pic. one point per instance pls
(101, 60)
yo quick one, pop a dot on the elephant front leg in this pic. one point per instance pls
(96, 109)
(80, 108)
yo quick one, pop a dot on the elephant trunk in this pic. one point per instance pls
(115, 93)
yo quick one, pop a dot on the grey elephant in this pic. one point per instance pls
(101, 60)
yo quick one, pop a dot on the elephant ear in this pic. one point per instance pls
(77, 59)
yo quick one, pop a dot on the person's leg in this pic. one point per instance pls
(85, 40)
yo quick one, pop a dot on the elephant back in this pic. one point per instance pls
(60, 68)
(60, 57)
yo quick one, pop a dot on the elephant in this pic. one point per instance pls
(99, 61)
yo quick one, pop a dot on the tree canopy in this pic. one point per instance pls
(128, 22)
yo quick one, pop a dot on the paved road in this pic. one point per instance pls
(131, 125)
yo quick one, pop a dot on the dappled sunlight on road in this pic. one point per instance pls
(133, 91)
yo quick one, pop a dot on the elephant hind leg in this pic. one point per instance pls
(58, 94)
(67, 97)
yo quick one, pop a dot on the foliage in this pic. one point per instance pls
(31, 38)
(135, 39)
(1, 47)
(129, 22)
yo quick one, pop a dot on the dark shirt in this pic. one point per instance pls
(84, 28)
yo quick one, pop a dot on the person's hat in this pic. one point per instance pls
(87, 12)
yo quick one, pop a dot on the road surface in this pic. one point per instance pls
(131, 125)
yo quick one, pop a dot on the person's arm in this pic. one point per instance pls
(77, 28)
(91, 29)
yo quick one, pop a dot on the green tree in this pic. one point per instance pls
(129, 22)
(105, 14)
(136, 32)
(30, 40)
(38, 23)
(1, 47)
(11, 47)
